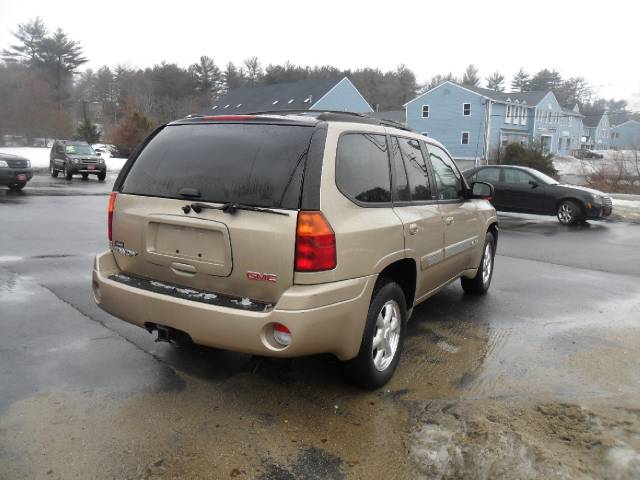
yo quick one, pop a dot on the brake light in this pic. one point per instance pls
(112, 205)
(230, 118)
(315, 243)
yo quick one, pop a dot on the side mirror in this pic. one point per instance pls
(482, 190)
(534, 184)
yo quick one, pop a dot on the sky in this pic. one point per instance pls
(596, 40)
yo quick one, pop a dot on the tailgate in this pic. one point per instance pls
(246, 254)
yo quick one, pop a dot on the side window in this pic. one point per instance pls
(447, 176)
(491, 175)
(513, 175)
(362, 167)
(416, 167)
(401, 192)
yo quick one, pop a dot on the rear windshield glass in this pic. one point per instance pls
(259, 165)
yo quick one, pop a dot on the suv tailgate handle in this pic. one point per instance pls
(182, 268)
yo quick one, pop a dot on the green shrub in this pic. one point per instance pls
(88, 132)
(532, 156)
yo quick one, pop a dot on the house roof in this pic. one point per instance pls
(631, 120)
(287, 96)
(530, 98)
(395, 115)
(570, 111)
(592, 120)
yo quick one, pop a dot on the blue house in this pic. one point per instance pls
(337, 94)
(626, 136)
(596, 132)
(474, 123)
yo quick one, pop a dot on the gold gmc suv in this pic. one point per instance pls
(291, 234)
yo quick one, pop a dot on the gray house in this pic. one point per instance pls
(337, 94)
(626, 136)
(596, 132)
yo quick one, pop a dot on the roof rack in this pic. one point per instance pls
(338, 116)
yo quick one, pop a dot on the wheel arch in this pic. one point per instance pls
(404, 272)
(579, 201)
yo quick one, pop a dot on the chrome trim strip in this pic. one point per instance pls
(459, 247)
(430, 259)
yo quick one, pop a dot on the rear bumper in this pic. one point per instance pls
(326, 318)
(9, 176)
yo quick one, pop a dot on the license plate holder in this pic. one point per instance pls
(21, 177)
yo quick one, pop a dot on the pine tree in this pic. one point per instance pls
(232, 77)
(30, 35)
(88, 132)
(495, 82)
(521, 82)
(470, 76)
(207, 76)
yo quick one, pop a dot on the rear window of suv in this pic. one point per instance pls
(254, 164)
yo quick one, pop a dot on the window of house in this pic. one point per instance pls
(425, 111)
(507, 118)
(466, 109)
(414, 166)
(447, 176)
(464, 138)
(568, 143)
(362, 167)
(525, 114)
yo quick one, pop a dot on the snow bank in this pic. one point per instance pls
(39, 157)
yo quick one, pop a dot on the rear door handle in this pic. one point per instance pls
(449, 220)
(413, 228)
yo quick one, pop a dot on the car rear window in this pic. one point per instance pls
(254, 164)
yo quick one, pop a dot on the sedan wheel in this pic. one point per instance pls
(53, 171)
(568, 212)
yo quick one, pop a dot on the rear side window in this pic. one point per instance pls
(491, 175)
(362, 167)
(259, 165)
(416, 168)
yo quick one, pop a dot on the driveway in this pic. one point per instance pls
(539, 378)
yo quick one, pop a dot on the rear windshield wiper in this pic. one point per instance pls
(229, 207)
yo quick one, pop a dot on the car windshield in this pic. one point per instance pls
(546, 179)
(79, 150)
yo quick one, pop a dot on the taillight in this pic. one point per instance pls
(315, 243)
(112, 205)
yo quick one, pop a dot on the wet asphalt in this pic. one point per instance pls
(85, 395)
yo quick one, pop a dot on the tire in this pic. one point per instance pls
(102, 176)
(569, 212)
(387, 324)
(53, 171)
(16, 187)
(479, 285)
(85, 176)
(67, 174)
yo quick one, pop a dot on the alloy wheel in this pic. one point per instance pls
(387, 335)
(487, 264)
(565, 213)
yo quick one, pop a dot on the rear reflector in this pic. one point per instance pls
(315, 243)
(281, 335)
(112, 206)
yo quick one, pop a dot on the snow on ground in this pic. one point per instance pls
(39, 157)
(626, 207)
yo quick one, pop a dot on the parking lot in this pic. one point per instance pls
(539, 378)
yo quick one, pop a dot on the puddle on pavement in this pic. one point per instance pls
(14, 288)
